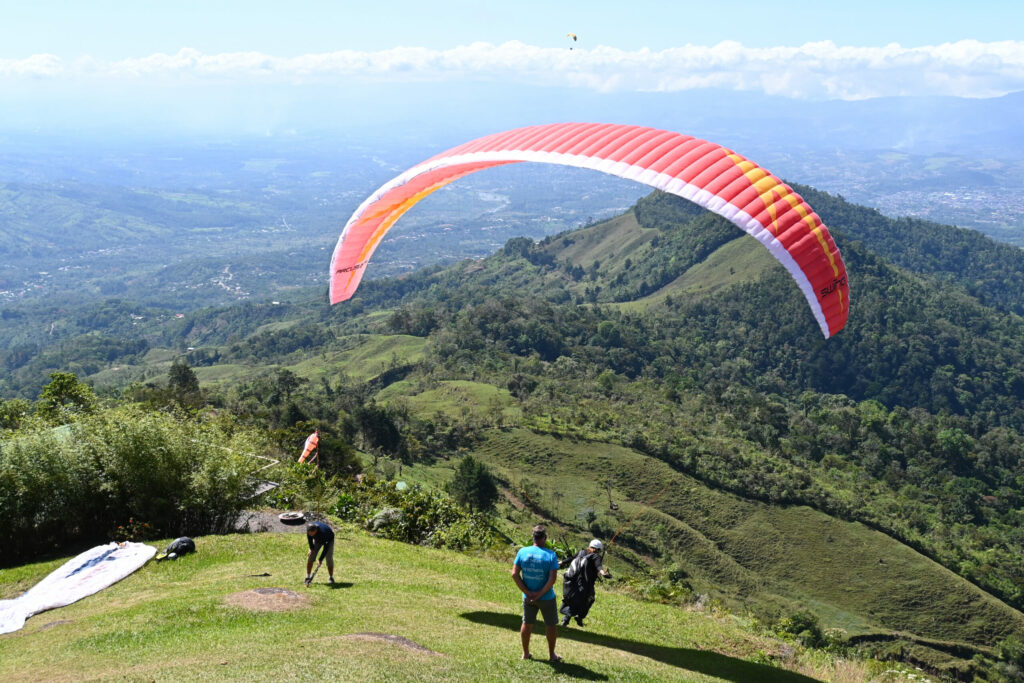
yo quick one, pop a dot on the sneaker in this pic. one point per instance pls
(579, 622)
(565, 621)
(331, 579)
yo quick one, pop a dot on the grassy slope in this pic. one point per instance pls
(621, 240)
(455, 398)
(169, 621)
(746, 552)
(372, 355)
(606, 241)
(864, 580)
(742, 260)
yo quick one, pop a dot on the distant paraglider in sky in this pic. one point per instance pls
(707, 174)
(573, 36)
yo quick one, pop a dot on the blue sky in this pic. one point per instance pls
(256, 64)
(114, 29)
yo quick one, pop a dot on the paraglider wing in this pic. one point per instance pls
(707, 174)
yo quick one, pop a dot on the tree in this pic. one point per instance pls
(181, 378)
(473, 486)
(377, 427)
(183, 385)
(13, 411)
(288, 381)
(64, 397)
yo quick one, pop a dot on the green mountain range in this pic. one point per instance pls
(657, 379)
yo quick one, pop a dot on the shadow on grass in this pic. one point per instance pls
(573, 670)
(701, 661)
(340, 584)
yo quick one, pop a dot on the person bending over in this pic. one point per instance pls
(320, 537)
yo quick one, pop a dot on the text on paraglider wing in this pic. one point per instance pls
(351, 268)
(835, 284)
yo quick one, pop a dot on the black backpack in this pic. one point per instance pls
(177, 548)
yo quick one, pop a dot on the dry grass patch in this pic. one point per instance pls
(267, 600)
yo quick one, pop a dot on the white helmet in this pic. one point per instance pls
(596, 544)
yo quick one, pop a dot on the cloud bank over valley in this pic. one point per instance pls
(813, 71)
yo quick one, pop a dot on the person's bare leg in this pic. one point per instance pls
(524, 634)
(552, 632)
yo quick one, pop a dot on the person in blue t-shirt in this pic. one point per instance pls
(535, 571)
(320, 537)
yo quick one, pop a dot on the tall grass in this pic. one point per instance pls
(125, 471)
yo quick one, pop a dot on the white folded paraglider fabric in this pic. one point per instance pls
(88, 573)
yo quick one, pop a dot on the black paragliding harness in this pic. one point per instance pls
(177, 548)
(578, 585)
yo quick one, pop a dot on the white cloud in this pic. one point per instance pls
(820, 70)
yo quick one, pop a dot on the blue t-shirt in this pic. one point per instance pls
(535, 567)
(324, 535)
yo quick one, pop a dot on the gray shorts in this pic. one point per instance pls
(329, 555)
(547, 609)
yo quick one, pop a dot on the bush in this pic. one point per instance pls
(79, 483)
(666, 588)
(803, 626)
(414, 515)
(303, 486)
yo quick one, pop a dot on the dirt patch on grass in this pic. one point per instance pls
(511, 497)
(404, 643)
(267, 600)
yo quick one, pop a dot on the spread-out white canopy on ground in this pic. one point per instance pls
(88, 573)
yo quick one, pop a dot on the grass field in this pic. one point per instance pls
(741, 260)
(369, 356)
(456, 398)
(603, 241)
(751, 555)
(172, 621)
(771, 559)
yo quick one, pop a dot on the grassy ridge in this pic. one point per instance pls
(747, 552)
(455, 398)
(603, 241)
(735, 262)
(170, 621)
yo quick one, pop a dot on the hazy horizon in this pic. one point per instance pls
(256, 68)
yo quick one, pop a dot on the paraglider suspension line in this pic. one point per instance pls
(645, 505)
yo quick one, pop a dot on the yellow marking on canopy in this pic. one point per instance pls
(767, 187)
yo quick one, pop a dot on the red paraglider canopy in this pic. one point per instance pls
(708, 174)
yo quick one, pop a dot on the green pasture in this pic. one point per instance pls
(172, 621)
(740, 260)
(369, 356)
(752, 555)
(456, 399)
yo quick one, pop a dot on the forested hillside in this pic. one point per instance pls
(671, 353)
